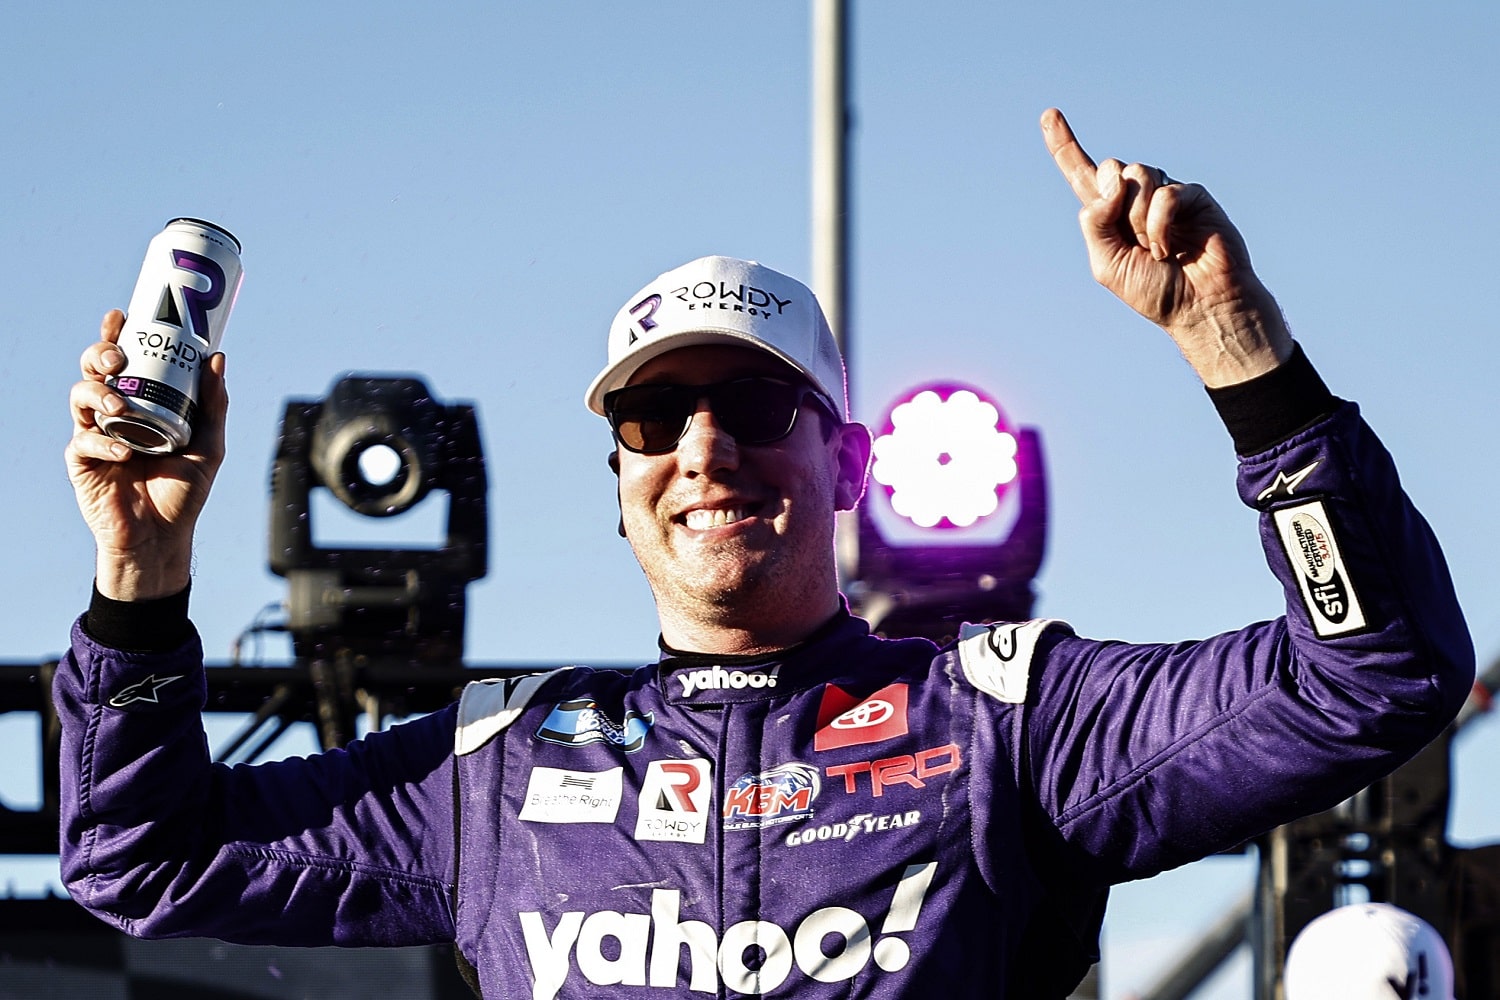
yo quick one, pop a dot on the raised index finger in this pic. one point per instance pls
(1075, 164)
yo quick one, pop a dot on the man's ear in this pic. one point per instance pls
(614, 466)
(853, 464)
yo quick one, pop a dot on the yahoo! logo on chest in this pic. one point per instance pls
(717, 678)
(832, 944)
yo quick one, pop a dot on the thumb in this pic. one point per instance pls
(1099, 220)
(1100, 217)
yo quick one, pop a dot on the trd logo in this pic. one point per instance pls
(906, 769)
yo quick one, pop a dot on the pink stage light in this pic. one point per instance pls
(946, 456)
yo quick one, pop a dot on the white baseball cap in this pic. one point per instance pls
(724, 300)
(1369, 951)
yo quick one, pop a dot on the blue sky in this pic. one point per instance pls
(470, 191)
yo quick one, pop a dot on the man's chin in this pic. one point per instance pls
(727, 584)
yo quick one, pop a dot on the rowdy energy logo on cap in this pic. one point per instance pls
(724, 300)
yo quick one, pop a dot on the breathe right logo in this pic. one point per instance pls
(1310, 546)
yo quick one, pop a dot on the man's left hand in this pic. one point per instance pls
(1168, 251)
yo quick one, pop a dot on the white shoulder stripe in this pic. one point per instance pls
(486, 708)
(997, 658)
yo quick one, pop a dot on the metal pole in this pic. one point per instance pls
(830, 209)
(1220, 942)
(830, 121)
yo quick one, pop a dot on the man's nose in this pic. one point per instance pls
(706, 446)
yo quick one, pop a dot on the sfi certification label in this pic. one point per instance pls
(1324, 580)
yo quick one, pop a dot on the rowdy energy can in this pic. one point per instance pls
(176, 319)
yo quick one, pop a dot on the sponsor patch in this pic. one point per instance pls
(674, 802)
(855, 826)
(1329, 597)
(908, 769)
(581, 721)
(1285, 485)
(781, 795)
(833, 944)
(143, 691)
(997, 658)
(846, 721)
(558, 795)
(718, 678)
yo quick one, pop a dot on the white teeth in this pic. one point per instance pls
(700, 520)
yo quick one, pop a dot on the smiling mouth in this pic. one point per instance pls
(701, 519)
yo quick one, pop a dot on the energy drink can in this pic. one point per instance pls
(176, 319)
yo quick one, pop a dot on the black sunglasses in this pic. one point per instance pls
(650, 419)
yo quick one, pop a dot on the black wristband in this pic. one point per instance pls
(156, 625)
(1272, 407)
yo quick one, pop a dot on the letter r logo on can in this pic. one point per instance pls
(199, 301)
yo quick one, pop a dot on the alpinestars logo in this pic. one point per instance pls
(716, 678)
(145, 690)
(1284, 486)
(610, 948)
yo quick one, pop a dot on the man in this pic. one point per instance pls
(783, 804)
(1369, 951)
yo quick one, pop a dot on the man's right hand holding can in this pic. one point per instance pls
(141, 508)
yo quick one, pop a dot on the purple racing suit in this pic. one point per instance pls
(854, 817)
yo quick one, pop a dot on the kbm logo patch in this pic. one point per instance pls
(581, 721)
(1321, 575)
(780, 795)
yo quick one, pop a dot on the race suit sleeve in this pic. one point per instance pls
(1144, 757)
(349, 847)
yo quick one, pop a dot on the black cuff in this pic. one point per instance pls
(157, 625)
(1272, 407)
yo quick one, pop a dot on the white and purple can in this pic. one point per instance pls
(175, 322)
